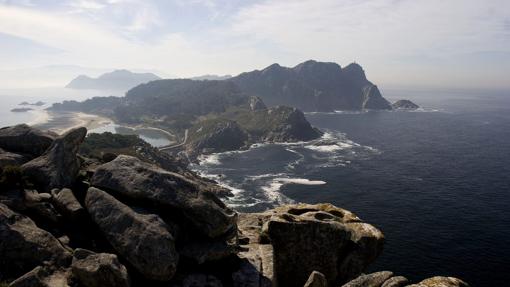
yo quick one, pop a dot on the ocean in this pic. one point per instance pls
(435, 181)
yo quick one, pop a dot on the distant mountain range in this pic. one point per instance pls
(116, 80)
(311, 86)
(314, 86)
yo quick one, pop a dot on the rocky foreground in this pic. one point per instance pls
(67, 220)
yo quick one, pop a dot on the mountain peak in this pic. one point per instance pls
(120, 79)
(313, 86)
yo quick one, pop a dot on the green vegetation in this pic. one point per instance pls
(95, 145)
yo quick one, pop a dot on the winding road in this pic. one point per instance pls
(169, 147)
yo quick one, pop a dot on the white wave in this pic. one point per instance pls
(272, 193)
(265, 175)
(301, 181)
(210, 159)
(330, 147)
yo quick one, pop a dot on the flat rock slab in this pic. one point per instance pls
(334, 241)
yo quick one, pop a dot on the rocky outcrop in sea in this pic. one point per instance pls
(404, 105)
(67, 220)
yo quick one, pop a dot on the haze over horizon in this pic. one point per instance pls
(398, 43)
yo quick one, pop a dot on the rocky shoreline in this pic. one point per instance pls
(69, 220)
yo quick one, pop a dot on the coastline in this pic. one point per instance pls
(61, 122)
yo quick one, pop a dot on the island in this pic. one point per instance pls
(404, 105)
(116, 80)
(206, 116)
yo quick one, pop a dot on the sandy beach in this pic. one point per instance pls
(63, 121)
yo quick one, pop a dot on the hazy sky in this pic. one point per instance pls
(458, 43)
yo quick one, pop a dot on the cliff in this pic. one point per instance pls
(70, 220)
(314, 86)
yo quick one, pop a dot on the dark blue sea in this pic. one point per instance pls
(436, 181)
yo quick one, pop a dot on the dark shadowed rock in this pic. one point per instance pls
(58, 166)
(289, 124)
(142, 239)
(396, 281)
(404, 105)
(39, 204)
(215, 136)
(200, 280)
(335, 241)
(440, 281)
(24, 246)
(99, 269)
(24, 139)
(203, 251)
(65, 201)
(370, 280)
(316, 279)
(32, 202)
(9, 158)
(43, 276)
(137, 180)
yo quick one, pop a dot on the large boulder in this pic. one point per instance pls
(59, 166)
(335, 241)
(142, 239)
(99, 269)
(316, 279)
(140, 181)
(43, 276)
(376, 279)
(23, 245)
(24, 139)
(441, 281)
(65, 201)
(9, 158)
(396, 281)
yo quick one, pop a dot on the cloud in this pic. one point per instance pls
(391, 39)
